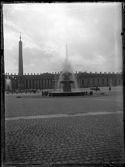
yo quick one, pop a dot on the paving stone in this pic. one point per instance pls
(91, 139)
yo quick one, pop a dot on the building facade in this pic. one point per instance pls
(49, 80)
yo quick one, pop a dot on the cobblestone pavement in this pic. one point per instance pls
(76, 140)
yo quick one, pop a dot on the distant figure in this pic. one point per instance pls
(109, 88)
(43, 93)
(91, 93)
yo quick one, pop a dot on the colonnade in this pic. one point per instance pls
(48, 81)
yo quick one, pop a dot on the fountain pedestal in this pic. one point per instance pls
(67, 86)
(66, 82)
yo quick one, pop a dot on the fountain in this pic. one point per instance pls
(67, 83)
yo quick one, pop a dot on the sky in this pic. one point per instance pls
(91, 32)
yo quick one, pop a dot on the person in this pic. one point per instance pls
(109, 88)
(91, 93)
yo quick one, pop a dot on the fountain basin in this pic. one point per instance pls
(61, 94)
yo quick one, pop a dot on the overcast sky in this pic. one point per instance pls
(90, 30)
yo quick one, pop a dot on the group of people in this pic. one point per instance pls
(22, 91)
(45, 93)
(87, 93)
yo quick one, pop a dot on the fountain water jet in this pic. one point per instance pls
(67, 83)
(67, 74)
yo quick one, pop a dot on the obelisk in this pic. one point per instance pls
(20, 72)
